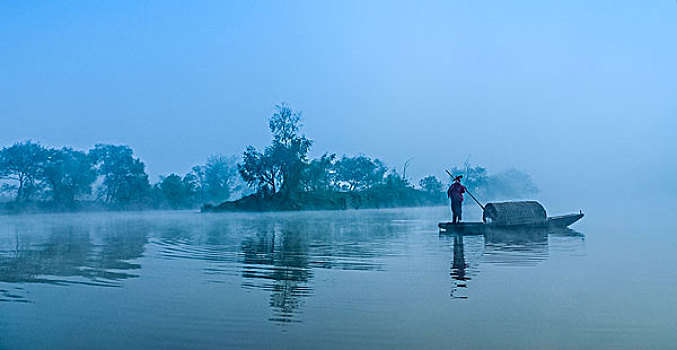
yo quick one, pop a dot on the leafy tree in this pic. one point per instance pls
(259, 170)
(68, 174)
(193, 185)
(395, 180)
(511, 183)
(23, 162)
(176, 191)
(431, 184)
(281, 165)
(215, 181)
(289, 150)
(359, 172)
(284, 124)
(319, 175)
(125, 179)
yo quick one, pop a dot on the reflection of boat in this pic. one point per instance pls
(511, 216)
(509, 246)
(515, 247)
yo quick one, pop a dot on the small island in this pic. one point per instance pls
(284, 178)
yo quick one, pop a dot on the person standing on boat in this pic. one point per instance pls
(455, 193)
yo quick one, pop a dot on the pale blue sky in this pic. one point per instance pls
(564, 89)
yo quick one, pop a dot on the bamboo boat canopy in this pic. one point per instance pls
(514, 213)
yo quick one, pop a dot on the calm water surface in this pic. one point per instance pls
(374, 279)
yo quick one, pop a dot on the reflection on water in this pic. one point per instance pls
(275, 253)
(97, 255)
(352, 279)
(279, 255)
(233, 275)
(508, 247)
(277, 261)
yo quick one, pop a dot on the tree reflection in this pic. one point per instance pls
(71, 254)
(277, 260)
(281, 253)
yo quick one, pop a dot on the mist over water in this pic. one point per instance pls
(365, 279)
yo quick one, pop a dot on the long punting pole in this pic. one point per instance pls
(473, 197)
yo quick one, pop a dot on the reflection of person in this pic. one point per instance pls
(458, 268)
(455, 193)
(458, 263)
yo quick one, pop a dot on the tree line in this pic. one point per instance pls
(110, 176)
(106, 176)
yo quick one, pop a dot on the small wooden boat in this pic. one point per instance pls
(511, 216)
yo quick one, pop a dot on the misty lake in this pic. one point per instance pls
(373, 279)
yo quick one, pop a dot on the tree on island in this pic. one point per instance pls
(360, 172)
(260, 171)
(280, 167)
(431, 184)
(23, 162)
(289, 149)
(320, 175)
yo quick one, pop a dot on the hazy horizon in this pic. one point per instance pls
(578, 95)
